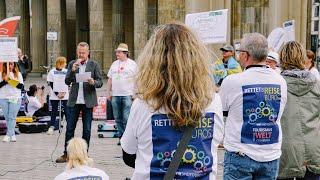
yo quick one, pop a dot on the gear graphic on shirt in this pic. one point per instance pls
(160, 155)
(201, 155)
(198, 165)
(266, 111)
(262, 104)
(189, 156)
(166, 162)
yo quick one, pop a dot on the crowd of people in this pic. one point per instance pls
(262, 106)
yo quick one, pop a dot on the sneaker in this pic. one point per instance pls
(50, 131)
(62, 159)
(119, 143)
(6, 139)
(13, 138)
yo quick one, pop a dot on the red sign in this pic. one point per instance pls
(100, 111)
(8, 26)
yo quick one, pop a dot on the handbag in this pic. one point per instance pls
(174, 164)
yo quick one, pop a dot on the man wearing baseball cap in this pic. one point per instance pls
(273, 61)
(230, 63)
(120, 86)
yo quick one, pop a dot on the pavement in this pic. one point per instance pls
(31, 156)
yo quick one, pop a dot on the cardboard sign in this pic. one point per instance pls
(100, 111)
(211, 27)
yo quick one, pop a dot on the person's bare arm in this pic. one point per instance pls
(109, 85)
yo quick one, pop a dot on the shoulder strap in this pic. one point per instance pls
(179, 153)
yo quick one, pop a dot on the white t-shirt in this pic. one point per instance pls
(57, 77)
(151, 137)
(33, 105)
(83, 173)
(122, 77)
(9, 92)
(315, 72)
(255, 100)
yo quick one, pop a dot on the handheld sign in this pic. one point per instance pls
(211, 27)
(9, 49)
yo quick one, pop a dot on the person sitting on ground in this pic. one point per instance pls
(79, 165)
(36, 102)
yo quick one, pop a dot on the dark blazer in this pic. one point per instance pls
(89, 91)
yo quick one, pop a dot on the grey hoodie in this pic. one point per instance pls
(300, 125)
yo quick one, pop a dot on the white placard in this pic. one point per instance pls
(8, 49)
(59, 84)
(211, 26)
(276, 39)
(289, 27)
(83, 77)
(52, 36)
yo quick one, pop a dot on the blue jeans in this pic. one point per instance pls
(72, 119)
(10, 111)
(121, 109)
(241, 167)
(55, 110)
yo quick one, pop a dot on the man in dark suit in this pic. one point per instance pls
(83, 96)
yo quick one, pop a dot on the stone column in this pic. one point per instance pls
(25, 27)
(2, 9)
(171, 10)
(117, 23)
(39, 29)
(82, 21)
(140, 24)
(96, 30)
(55, 23)
(107, 42)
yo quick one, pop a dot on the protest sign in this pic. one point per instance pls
(211, 27)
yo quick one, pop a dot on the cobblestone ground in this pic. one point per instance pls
(32, 149)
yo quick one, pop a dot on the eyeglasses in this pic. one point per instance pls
(239, 51)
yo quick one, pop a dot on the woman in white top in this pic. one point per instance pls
(175, 91)
(79, 165)
(58, 91)
(10, 97)
(309, 64)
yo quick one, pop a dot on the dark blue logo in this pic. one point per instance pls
(197, 160)
(261, 104)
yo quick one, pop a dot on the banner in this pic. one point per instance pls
(9, 49)
(100, 111)
(8, 26)
(211, 27)
(276, 39)
(289, 27)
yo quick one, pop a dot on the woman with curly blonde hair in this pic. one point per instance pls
(175, 90)
(79, 165)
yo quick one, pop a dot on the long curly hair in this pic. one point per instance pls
(174, 74)
(15, 71)
(292, 56)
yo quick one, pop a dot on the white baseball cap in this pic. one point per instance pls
(273, 56)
